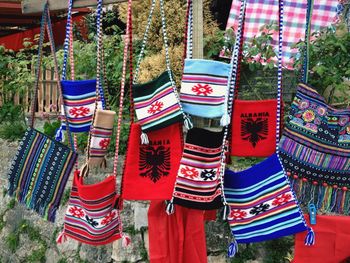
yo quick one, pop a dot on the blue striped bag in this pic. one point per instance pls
(261, 202)
(204, 82)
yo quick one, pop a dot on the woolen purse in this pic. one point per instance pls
(262, 203)
(41, 167)
(315, 146)
(198, 183)
(92, 216)
(156, 102)
(204, 82)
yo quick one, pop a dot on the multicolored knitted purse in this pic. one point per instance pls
(156, 102)
(79, 96)
(150, 170)
(103, 119)
(315, 147)
(198, 182)
(92, 215)
(41, 167)
(262, 204)
(204, 82)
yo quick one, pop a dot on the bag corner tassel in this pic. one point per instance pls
(59, 136)
(61, 238)
(170, 209)
(126, 240)
(188, 122)
(232, 249)
(144, 138)
(310, 237)
(225, 120)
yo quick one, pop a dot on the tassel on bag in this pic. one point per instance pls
(170, 208)
(144, 138)
(232, 249)
(310, 238)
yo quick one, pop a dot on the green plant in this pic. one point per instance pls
(65, 197)
(12, 131)
(329, 63)
(11, 204)
(12, 241)
(277, 250)
(245, 252)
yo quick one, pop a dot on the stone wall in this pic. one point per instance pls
(26, 237)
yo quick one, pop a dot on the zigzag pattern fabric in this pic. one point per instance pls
(315, 148)
(156, 104)
(198, 184)
(101, 134)
(39, 173)
(204, 87)
(91, 216)
(79, 101)
(262, 205)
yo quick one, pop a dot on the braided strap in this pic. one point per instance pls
(232, 84)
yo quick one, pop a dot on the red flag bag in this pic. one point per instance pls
(254, 123)
(333, 241)
(92, 215)
(150, 169)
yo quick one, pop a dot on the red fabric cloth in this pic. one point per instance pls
(150, 170)
(253, 128)
(332, 241)
(176, 238)
(15, 41)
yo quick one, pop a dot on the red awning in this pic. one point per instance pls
(15, 41)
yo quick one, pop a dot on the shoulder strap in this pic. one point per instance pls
(305, 69)
(46, 23)
(145, 40)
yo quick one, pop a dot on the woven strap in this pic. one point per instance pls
(127, 47)
(232, 84)
(305, 69)
(46, 23)
(189, 30)
(99, 96)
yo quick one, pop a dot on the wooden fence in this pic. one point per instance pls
(48, 96)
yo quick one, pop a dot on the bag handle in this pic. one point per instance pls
(305, 69)
(46, 23)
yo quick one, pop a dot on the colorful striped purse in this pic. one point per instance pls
(315, 146)
(198, 182)
(41, 167)
(150, 169)
(79, 96)
(204, 82)
(92, 216)
(262, 203)
(103, 119)
(156, 102)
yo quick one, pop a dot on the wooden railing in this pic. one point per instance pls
(48, 96)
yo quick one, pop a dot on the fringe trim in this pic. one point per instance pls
(327, 198)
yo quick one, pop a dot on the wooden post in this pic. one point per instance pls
(36, 6)
(198, 22)
(198, 28)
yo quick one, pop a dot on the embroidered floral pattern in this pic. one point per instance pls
(343, 120)
(108, 218)
(237, 214)
(189, 172)
(76, 211)
(321, 110)
(104, 143)
(204, 90)
(308, 116)
(79, 111)
(155, 107)
(282, 199)
(91, 221)
(303, 105)
(258, 209)
(208, 174)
